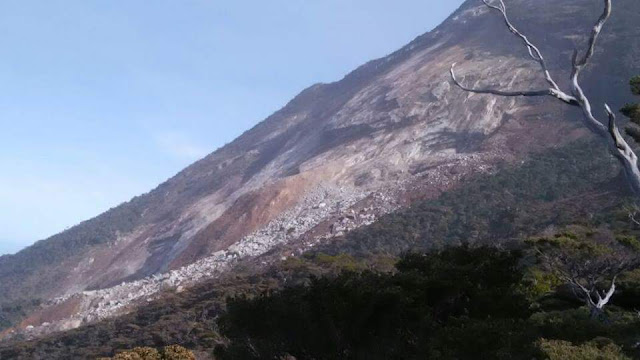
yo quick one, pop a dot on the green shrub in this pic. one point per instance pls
(538, 283)
(629, 241)
(172, 352)
(128, 355)
(600, 349)
(176, 352)
(340, 262)
(635, 85)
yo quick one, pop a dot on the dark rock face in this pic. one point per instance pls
(392, 126)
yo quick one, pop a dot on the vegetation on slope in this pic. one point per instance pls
(14, 269)
(12, 312)
(172, 352)
(632, 111)
(456, 303)
(568, 185)
(564, 186)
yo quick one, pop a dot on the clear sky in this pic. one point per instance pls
(103, 100)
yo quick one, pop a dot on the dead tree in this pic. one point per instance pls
(589, 266)
(608, 131)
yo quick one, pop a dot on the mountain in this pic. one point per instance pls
(570, 185)
(337, 157)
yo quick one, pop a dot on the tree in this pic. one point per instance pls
(589, 264)
(632, 111)
(608, 131)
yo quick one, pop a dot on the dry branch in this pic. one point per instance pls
(609, 131)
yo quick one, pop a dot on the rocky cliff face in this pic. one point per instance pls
(334, 158)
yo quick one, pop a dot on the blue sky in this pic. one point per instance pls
(103, 100)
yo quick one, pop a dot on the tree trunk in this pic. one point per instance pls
(596, 313)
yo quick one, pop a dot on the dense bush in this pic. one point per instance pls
(431, 300)
(172, 352)
(13, 311)
(458, 303)
(601, 349)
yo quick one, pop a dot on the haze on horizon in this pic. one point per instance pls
(102, 101)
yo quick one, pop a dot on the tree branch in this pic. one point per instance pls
(624, 152)
(604, 301)
(595, 32)
(497, 92)
(618, 140)
(579, 64)
(587, 293)
(617, 145)
(534, 52)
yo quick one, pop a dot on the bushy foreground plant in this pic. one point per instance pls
(172, 352)
(457, 303)
(600, 349)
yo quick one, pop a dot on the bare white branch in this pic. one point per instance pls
(624, 152)
(595, 32)
(608, 131)
(534, 52)
(496, 92)
(604, 301)
(579, 64)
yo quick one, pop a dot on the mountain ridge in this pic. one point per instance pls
(393, 123)
(235, 145)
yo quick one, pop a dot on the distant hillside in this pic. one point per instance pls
(340, 156)
(569, 185)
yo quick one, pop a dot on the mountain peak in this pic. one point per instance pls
(335, 158)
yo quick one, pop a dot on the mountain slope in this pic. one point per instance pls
(392, 130)
(555, 187)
